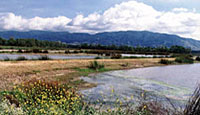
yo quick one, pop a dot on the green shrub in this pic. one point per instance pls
(44, 57)
(36, 51)
(98, 57)
(116, 56)
(95, 65)
(67, 52)
(164, 61)
(184, 59)
(21, 58)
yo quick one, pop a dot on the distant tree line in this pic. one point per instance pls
(31, 43)
(56, 44)
(139, 49)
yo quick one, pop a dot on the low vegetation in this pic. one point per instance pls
(44, 57)
(96, 66)
(6, 59)
(193, 105)
(116, 56)
(41, 97)
(165, 61)
(184, 59)
(21, 58)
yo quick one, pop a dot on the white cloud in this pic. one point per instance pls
(130, 15)
(9, 21)
(180, 10)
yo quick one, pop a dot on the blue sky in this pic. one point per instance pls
(180, 17)
(70, 8)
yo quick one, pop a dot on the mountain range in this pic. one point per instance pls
(131, 38)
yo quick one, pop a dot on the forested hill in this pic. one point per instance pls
(131, 38)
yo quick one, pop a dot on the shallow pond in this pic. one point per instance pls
(52, 56)
(169, 84)
(143, 55)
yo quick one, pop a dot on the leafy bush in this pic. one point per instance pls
(116, 56)
(44, 57)
(164, 61)
(184, 59)
(36, 51)
(96, 66)
(67, 52)
(98, 57)
(21, 58)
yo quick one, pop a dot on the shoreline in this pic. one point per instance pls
(65, 71)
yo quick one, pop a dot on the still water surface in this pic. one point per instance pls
(30, 56)
(174, 82)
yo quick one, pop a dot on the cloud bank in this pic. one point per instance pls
(130, 15)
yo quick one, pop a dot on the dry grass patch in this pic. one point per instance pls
(14, 72)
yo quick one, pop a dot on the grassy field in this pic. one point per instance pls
(64, 71)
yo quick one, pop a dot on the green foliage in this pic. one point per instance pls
(165, 61)
(130, 49)
(44, 57)
(98, 57)
(116, 56)
(184, 59)
(21, 58)
(36, 50)
(96, 66)
(179, 49)
(40, 97)
(31, 43)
